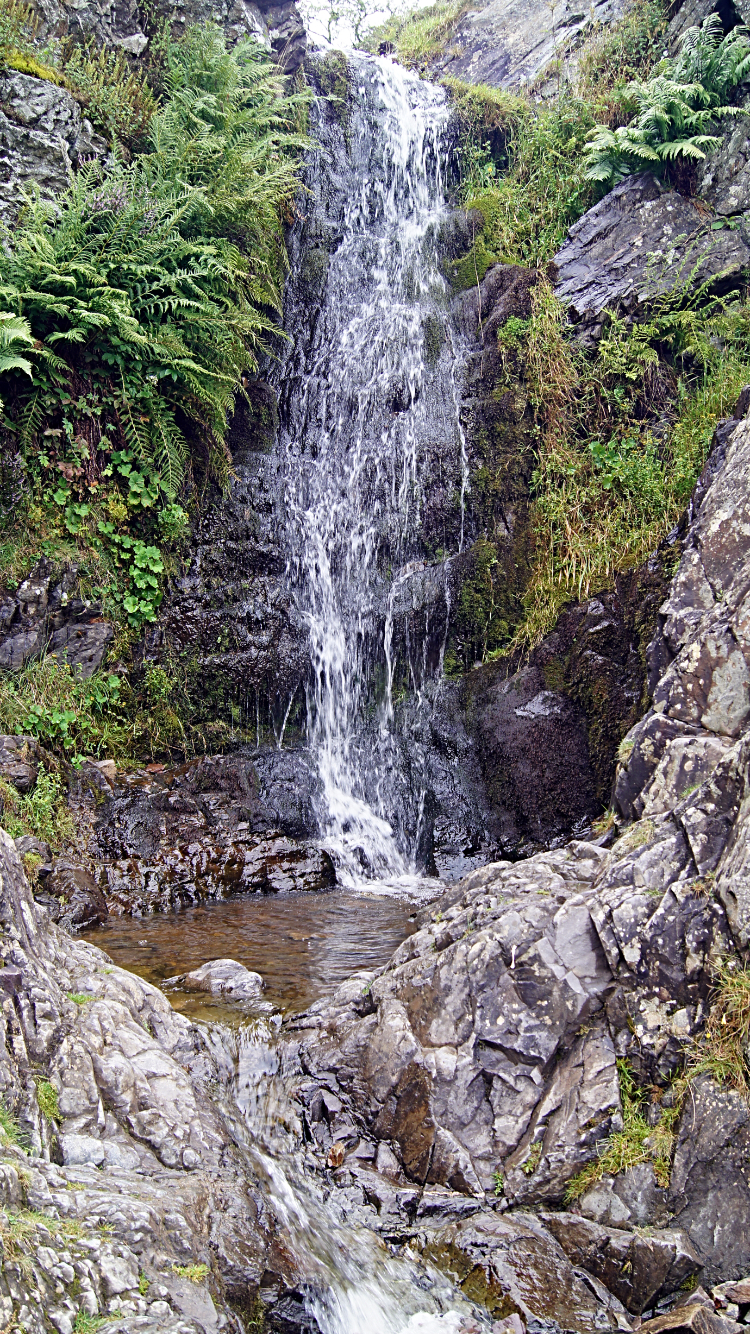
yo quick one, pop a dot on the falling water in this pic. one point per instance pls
(367, 387)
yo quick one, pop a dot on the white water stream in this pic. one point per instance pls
(372, 394)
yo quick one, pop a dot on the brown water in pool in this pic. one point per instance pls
(303, 945)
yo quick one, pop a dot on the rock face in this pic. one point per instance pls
(638, 242)
(130, 25)
(176, 1189)
(42, 138)
(508, 45)
(490, 1042)
(207, 829)
(46, 614)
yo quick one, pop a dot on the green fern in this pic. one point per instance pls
(678, 108)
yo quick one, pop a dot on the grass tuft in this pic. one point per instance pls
(196, 1272)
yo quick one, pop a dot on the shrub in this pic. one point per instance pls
(676, 109)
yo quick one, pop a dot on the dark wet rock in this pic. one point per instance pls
(19, 761)
(213, 827)
(47, 613)
(42, 137)
(75, 896)
(632, 1199)
(638, 1269)
(513, 1265)
(639, 241)
(693, 1318)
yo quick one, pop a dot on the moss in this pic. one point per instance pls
(332, 75)
(27, 64)
(433, 331)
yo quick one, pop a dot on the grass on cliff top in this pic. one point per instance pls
(420, 35)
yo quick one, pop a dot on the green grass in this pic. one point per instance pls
(196, 1272)
(421, 35)
(10, 1128)
(637, 1142)
(79, 997)
(41, 812)
(46, 1096)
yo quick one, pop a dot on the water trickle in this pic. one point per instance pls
(368, 390)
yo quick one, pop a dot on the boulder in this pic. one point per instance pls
(637, 1268)
(640, 241)
(47, 613)
(222, 977)
(19, 761)
(74, 897)
(709, 1193)
(512, 1264)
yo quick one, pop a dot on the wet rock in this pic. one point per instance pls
(278, 27)
(46, 613)
(80, 902)
(693, 1317)
(205, 829)
(222, 977)
(632, 1199)
(42, 137)
(638, 1269)
(636, 243)
(19, 760)
(82, 647)
(513, 1265)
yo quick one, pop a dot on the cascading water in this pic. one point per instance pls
(368, 391)
(352, 1283)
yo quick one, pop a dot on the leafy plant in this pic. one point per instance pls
(15, 337)
(118, 100)
(677, 108)
(42, 812)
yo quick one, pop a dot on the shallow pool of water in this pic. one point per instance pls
(303, 945)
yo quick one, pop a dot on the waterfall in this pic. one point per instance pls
(369, 393)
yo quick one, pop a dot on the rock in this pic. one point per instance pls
(638, 1269)
(724, 179)
(695, 1318)
(632, 1199)
(508, 46)
(513, 1265)
(81, 902)
(42, 137)
(47, 613)
(82, 647)
(222, 977)
(28, 844)
(709, 1193)
(208, 828)
(19, 760)
(639, 241)
(278, 27)
(141, 1173)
